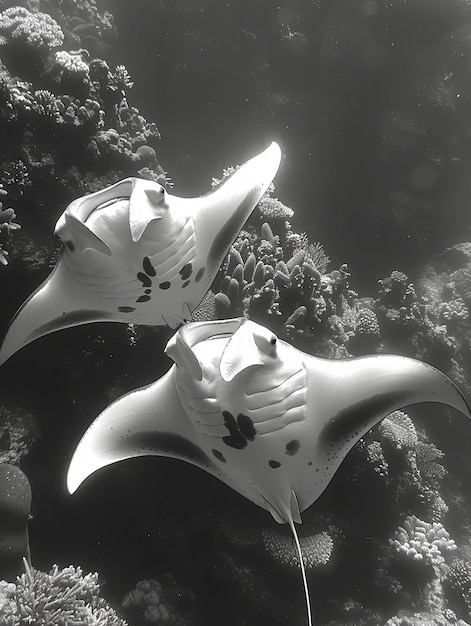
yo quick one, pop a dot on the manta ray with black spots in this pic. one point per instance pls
(265, 418)
(134, 253)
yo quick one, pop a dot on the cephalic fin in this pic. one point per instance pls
(146, 198)
(240, 353)
(84, 237)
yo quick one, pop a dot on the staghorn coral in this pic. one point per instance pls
(61, 597)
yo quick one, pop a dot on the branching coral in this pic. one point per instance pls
(62, 597)
(457, 585)
(7, 226)
(38, 30)
(398, 430)
(55, 94)
(278, 279)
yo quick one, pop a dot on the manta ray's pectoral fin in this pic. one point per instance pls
(149, 421)
(57, 304)
(353, 395)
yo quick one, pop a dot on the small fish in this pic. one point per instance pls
(134, 253)
(265, 418)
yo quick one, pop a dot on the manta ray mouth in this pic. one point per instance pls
(107, 203)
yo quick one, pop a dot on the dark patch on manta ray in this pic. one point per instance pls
(148, 267)
(225, 236)
(186, 271)
(199, 274)
(145, 280)
(349, 424)
(235, 439)
(126, 309)
(169, 444)
(68, 319)
(219, 455)
(274, 464)
(186, 283)
(241, 431)
(292, 447)
(143, 299)
(165, 285)
(246, 427)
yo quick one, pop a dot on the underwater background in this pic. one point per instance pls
(363, 246)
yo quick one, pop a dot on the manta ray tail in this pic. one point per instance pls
(284, 512)
(303, 571)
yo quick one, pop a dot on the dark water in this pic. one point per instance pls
(370, 103)
(368, 189)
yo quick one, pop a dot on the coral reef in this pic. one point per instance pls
(66, 123)
(18, 431)
(15, 506)
(62, 596)
(7, 226)
(154, 602)
(422, 541)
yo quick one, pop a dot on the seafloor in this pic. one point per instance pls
(370, 101)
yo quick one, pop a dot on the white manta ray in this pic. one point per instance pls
(134, 253)
(268, 420)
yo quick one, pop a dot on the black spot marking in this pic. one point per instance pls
(186, 283)
(165, 285)
(186, 271)
(219, 455)
(145, 280)
(292, 447)
(147, 291)
(310, 463)
(147, 267)
(143, 299)
(235, 438)
(274, 464)
(126, 309)
(199, 274)
(246, 426)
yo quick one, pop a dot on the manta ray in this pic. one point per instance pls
(267, 419)
(134, 253)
